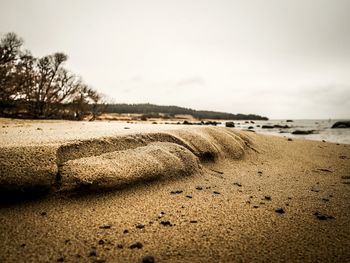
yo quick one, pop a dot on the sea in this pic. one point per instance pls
(322, 130)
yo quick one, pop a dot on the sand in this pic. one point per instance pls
(177, 194)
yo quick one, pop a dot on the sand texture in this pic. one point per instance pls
(172, 194)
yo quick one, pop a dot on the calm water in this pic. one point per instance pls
(322, 129)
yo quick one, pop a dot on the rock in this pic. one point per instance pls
(281, 126)
(215, 192)
(303, 132)
(250, 127)
(199, 188)
(320, 216)
(92, 254)
(137, 245)
(126, 231)
(148, 259)
(267, 197)
(105, 227)
(193, 221)
(290, 139)
(279, 210)
(230, 124)
(101, 242)
(61, 259)
(176, 192)
(267, 127)
(189, 196)
(165, 223)
(289, 120)
(341, 124)
(43, 213)
(140, 226)
(238, 184)
(120, 246)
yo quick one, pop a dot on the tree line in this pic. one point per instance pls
(171, 111)
(41, 87)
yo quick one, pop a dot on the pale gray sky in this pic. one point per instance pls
(279, 58)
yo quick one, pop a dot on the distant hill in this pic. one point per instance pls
(148, 108)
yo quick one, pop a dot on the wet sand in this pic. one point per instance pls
(254, 198)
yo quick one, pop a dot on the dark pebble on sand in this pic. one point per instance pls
(23, 245)
(148, 259)
(140, 226)
(325, 199)
(255, 206)
(279, 210)
(43, 213)
(165, 223)
(176, 192)
(320, 216)
(238, 184)
(101, 242)
(92, 254)
(267, 197)
(120, 246)
(126, 231)
(137, 245)
(189, 196)
(199, 188)
(61, 259)
(215, 192)
(105, 226)
(290, 139)
(193, 221)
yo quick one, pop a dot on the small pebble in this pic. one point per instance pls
(137, 245)
(61, 259)
(279, 210)
(267, 197)
(148, 259)
(43, 213)
(126, 231)
(238, 184)
(120, 246)
(165, 223)
(105, 227)
(140, 226)
(199, 188)
(290, 139)
(193, 221)
(215, 192)
(189, 196)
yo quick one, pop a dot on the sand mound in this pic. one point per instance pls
(119, 160)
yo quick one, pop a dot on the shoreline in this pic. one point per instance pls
(274, 200)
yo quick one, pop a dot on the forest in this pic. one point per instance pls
(32, 87)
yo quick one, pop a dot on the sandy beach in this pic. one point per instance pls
(119, 192)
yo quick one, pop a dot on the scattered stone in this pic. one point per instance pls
(165, 223)
(303, 132)
(23, 245)
(215, 192)
(230, 124)
(92, 254)
(176, 192)
(267, 197)
(61, 259)
(126, 231)
(289, 120)
(325, 199)
(238, 184)
(189, 196)
(193, 221)
(137, 245)
(290, 139)
(140, 226)
(199, 188)
(43, 213)
(120, 246)
(105, 227)
(126, 128)
(260, 172)
(341, 124)
(320, 216)
(39, 129)
(325, 170)
(255, 206)
(279, 210)
(101, 242)
(148, 259)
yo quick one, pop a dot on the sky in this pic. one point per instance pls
(276, 58)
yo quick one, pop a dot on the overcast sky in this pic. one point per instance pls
(278, 58)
